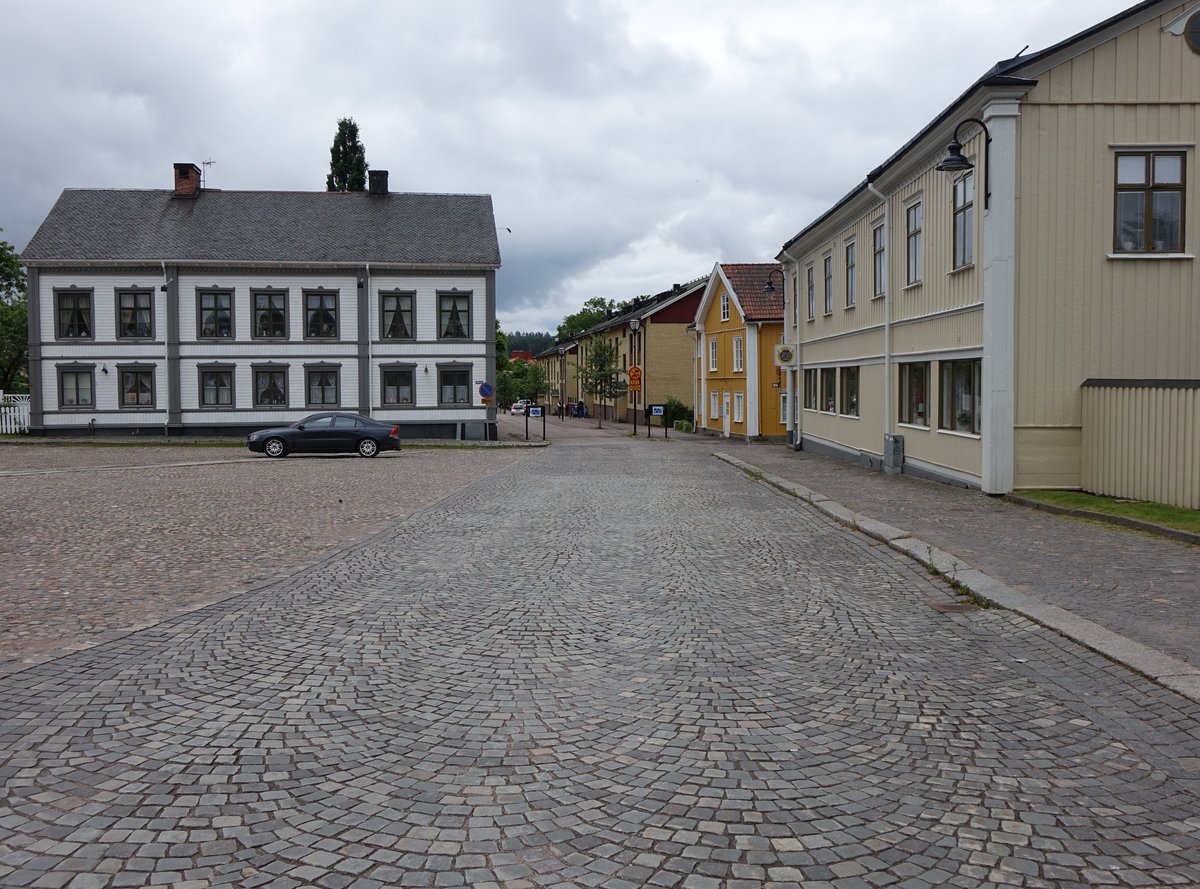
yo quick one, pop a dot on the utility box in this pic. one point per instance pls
(893, 454)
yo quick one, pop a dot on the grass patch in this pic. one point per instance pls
(1144, 510)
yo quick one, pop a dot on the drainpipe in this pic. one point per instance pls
(366, 306)
(166, 359)
(793, 373)
(888, 389)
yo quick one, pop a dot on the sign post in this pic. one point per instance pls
(658, 410)
(535, 410)
(635, 386)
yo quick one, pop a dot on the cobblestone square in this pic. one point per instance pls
(687, 680)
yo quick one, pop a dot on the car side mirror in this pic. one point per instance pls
(300, 426)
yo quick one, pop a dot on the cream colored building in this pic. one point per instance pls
(1032, 321)
(653, 336)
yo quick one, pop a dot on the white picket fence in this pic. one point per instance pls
(14, 414)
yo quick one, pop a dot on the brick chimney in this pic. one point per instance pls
(377, 182)
(187, 180)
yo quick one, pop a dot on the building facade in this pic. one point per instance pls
(739, 391)
(1025, 319)
(192, 310)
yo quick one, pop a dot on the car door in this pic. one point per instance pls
(317, 435)
(346, 433)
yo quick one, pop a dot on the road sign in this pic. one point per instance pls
(635, 385)
(657, 410)
(535, 412)
(486, 391)
(635, 374)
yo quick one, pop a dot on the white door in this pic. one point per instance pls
(725, 415)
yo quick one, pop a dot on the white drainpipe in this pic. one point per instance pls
(887, 311)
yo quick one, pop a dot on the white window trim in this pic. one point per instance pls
(739, 407)
(739, 354)
(712, 353)
(724, 306)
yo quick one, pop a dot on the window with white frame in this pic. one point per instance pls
(851, 267)
(714, 405)
(810, 274)
(914, 393)
(783, 408)
(964, 221)
(829, 390)
(849, 392)
(738, 354)
(828, 264)
(712, 353)
(879, 261)
(810, 390)
(914, 264)
(724, 306)
(795, 300)
(739, 407)
(1149, 202)
(961, 384)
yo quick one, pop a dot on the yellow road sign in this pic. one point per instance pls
(635, 374)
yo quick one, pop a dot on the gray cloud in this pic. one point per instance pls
(628, 144)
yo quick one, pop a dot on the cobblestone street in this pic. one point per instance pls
(616, 664)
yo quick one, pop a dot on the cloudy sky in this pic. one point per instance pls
(627, 144)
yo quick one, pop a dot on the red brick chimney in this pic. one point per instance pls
(187, 180)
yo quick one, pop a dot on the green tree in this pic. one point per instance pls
(599, 376)
(14, 333)
(347, 159)
(593, 312)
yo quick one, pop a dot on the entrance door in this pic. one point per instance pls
(725, 415)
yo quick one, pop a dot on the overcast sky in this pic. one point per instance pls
(627, 144)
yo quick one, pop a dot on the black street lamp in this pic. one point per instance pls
(770, 287)
(634, 324)
(955, 162)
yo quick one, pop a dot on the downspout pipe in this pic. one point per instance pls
(888, 389)
(793, 373)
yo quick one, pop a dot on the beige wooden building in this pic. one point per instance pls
(1029, 317)
(653, 336)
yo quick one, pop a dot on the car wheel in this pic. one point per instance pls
(275, 447)
(368, 447)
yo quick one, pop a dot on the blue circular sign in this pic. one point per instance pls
(486, 390)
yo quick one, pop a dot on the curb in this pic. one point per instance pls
(1169, 672)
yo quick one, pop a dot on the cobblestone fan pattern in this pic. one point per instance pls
(685, 680)
(89, 553)
(1143, 587)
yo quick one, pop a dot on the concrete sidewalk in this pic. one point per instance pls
(1130, 596)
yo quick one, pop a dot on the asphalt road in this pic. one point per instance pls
(613, 665)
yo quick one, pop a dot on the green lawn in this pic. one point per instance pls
(1158, 513)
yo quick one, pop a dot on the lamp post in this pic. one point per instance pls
(955, 162)
(634, 325)
(769, 287)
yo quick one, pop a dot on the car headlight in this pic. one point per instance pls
(253, 436)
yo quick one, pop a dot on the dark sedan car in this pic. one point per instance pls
(329, 433)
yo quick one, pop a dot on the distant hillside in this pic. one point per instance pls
(534, 341)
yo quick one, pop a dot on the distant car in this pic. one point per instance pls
(327, 433)
(520, 406)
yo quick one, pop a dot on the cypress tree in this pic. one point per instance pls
(347, 159)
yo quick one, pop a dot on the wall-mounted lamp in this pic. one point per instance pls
(955, 162)
(104, 369)
(770, 287)
(426, 368)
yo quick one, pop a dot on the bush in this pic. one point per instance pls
(676, 410)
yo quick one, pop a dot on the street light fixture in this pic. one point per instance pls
(634, 325)
(769, 287)
(955, 162)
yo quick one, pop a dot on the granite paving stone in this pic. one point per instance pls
(686, 679)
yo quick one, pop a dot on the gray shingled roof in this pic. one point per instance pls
(267, 226)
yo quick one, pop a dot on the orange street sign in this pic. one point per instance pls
(635, 385)
(635, 375)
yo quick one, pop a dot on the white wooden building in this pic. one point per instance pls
(193, 310)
